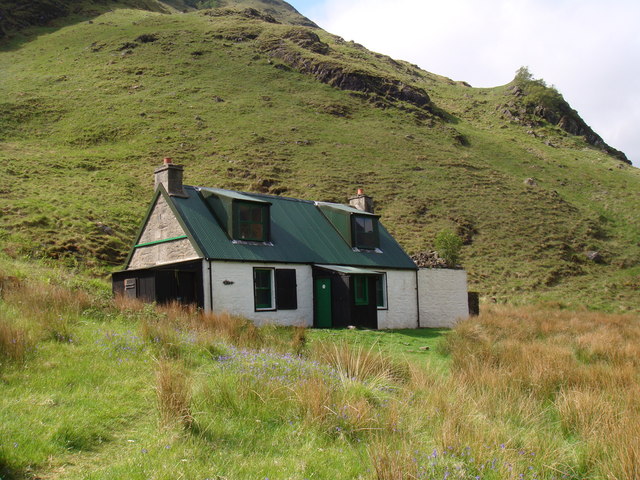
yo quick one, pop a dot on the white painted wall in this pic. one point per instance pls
(442, 296)
(206, 284)
(402, 311)
(237, 297)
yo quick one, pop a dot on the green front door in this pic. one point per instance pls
(323, 302)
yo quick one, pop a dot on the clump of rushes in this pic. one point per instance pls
(14, 342)
(359, 363)
(163, 335)
(582, 364)
(58, 328)
(45, 297)
(390, 463)
(173, 390)
(236, 330)
(299, 340)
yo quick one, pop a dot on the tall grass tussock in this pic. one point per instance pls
(173, 389)
(14, 342)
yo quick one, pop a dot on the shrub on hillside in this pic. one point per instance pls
(448, 246)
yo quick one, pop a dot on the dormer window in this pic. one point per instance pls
(251, 221)
(365, 231)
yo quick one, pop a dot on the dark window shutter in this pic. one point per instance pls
(286, 296)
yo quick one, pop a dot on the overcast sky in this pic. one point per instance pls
(588, 49)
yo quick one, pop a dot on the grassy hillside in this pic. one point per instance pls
(17, 15)
(92, 388)
(87, 110)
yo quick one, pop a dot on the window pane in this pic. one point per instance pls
(251, 222)
(244, 231)
(263, 278)
(361, 290)
(244, 213)
(262, 288)
(256, 231)
(364, 225)
(365, 234)
(263, 298)
(256, 214)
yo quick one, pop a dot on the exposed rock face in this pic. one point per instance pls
(561, 115)
(594, 256)
(247, 13)
(333, 73)
(308, 40)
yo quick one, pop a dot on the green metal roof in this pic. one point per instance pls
(300, 233)
(344, 208)
(229, 194)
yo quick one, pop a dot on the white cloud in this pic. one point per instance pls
(588, 49)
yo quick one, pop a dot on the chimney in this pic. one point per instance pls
(170, 176)
(362, 202)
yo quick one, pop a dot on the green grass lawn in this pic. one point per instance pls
(86, 408)
(420, 346)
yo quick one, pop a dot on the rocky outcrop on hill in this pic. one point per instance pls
(528, 106)
(332, 71)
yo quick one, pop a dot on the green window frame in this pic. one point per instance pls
(360, 290)
(251, 222)
(263, 288)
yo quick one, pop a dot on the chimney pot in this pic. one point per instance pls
(169, 175)
(362, 202)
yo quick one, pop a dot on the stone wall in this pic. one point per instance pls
(161, 225)
(162, 253)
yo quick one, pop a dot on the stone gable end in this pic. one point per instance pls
(161, 225)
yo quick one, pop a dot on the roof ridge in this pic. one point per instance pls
(256, 194)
